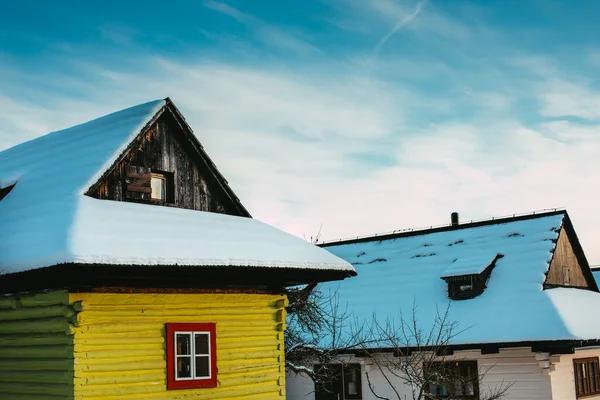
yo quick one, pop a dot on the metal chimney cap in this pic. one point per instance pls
(454, 219)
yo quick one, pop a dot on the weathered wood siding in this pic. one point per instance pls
(564, 257)
(518, 367)
(36, 346)
(164, 147)
(563, 378)
(120, 344)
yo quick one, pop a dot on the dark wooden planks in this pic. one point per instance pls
(164, 147)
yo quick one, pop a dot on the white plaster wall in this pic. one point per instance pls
(298, 387)
(517, 366)
(563, 378)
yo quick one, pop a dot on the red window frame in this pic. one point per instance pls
(171, 328)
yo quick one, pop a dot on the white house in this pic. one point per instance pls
(520, 289)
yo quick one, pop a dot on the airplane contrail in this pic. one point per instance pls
(401, 23)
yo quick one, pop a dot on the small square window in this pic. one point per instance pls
(191, 355)
(158, 182)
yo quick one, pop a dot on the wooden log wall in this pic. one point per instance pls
(36, 346)
(164, 148)
(120, 344)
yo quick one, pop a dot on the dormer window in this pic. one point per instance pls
(467, 278)
(463, 287)
(158, 182)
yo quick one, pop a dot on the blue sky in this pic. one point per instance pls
(362, 115)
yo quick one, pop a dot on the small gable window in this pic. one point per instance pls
(145, 185)
(191, 355)
(467, 278)
(158, 182)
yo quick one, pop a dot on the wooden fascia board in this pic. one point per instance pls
(85, 277)
(210, 165)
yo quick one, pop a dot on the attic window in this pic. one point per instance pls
(146, 185)
(163, 188)
(464, 287)
(467, 278)
(158, 182)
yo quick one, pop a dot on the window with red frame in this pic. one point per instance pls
(191, 355)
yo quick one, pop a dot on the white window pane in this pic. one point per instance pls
(158, 188)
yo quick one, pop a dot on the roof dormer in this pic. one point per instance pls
(467, 278)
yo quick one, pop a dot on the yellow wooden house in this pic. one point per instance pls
(130, 269)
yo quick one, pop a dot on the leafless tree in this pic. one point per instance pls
(415, 357)
(317, 331)
(315, 239)
(320, 330)
(317, 327)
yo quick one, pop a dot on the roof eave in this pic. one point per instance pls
(561, 346)
(84, 277)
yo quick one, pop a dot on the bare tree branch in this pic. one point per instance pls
(420, 362)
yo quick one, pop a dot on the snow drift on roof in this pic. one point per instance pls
(46, 219)
(513, 307)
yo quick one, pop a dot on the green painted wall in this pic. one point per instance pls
(36, 346)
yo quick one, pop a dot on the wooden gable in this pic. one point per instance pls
(167, 151)
(565, 268)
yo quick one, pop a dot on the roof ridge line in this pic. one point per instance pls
(444, 227)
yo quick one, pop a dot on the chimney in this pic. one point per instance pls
(454, 219)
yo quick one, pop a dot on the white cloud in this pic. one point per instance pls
(286, 136)
(272, 36)
(562, 98)
(372, 16)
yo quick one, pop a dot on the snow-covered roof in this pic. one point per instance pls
(396, 273)
(596, 274)
(469, 266)
(46, 219)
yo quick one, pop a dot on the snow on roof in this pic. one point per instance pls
(46, 219)
(596, 274)
(397, 273)
(469, 266)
